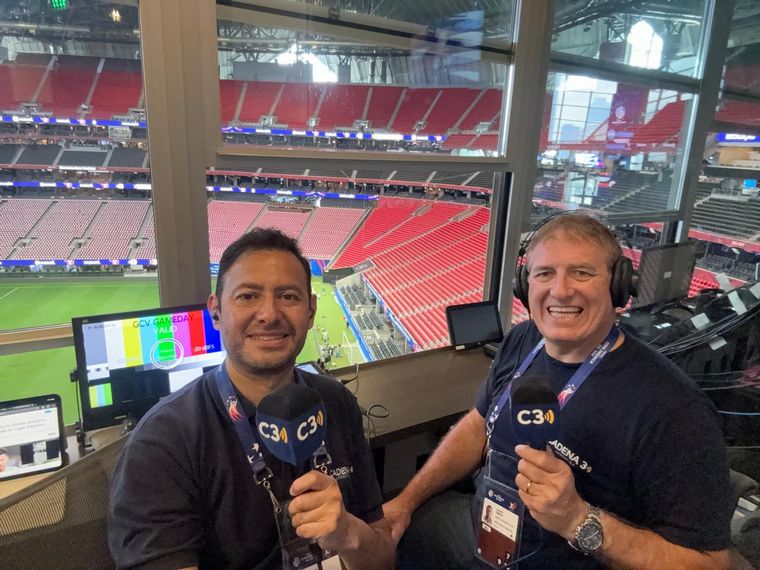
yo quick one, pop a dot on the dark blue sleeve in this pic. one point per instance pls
(154, 519)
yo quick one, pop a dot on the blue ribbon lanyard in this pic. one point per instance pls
(262, 474)
(573, 384)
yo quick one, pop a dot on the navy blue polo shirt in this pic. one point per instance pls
(183, 493)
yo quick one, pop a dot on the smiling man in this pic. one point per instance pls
(184, 494)
(637, 477)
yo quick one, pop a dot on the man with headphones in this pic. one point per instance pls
(186, 493)
(637, 475)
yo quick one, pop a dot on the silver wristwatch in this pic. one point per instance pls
(589, 535)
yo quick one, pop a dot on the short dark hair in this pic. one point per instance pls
(3, 451)
(260, 239)
(580, 227)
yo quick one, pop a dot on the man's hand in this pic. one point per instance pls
(398, 515)
(547, 486)
(318, 512)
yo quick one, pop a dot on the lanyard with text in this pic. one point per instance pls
(572, 386)
(262, 474)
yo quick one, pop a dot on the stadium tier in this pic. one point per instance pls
(115, 93)
(52, 237)
(116, 224)
(327, 230)
(227, 221)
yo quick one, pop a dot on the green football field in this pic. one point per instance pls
(28, 303)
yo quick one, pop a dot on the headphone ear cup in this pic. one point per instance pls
(621, 283)
(521, 285)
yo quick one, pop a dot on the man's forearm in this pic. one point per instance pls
(626, 546)
(368, 545)
(458, 454)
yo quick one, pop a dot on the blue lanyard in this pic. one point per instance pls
(262, 474)
(573, 384)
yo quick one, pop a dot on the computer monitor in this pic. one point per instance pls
(126, 362)
(474, 324)
(665, 272)
(32, 439)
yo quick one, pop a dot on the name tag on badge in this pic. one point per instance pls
(500, 524)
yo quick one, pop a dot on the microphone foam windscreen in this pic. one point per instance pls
(534, 410)
(291, 423)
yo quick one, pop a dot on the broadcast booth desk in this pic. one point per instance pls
(425, 393)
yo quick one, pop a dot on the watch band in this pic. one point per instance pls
(591, 524)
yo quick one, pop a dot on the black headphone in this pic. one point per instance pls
(623, 283)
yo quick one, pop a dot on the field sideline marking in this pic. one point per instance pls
(8, 293)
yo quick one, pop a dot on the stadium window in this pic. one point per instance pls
(436, 88)
(609, 155)
(391, 244)
(634, 35)
(75, 189)
(41, 372)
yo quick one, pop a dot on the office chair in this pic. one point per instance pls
(60, 521)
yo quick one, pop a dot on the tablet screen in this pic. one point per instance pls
(31, 436)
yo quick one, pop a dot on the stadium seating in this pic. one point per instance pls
(415, 103)
(229, 96)
(65, 90)
(327, 230)
(258, 100)
(297, 103)
(20, 84)
(449, 108)
(17, 217)
(342, 105)
(289, 222)
(383, 101)
(485, 110)
(227, 221)
(115, 93)
(117, 224)
(64, 221)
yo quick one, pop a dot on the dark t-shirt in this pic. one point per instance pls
(643, 443)
(183, 493)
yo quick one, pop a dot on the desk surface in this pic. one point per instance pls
(419, 390)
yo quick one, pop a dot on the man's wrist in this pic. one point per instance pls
(580, 512)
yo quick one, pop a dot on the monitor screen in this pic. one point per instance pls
(474, 324)
(126, 362)
(31, 436)
(665, 272)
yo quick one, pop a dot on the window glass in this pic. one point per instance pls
(389, 249)
(75, 203)
(405, 77)
(39, 373)
(615, 154)
(742, 69)
(647, 34)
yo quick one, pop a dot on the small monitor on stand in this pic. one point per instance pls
(474, 324)
(665, 273)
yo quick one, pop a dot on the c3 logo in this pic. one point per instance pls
(535, 417)
(271, 431)
(305, 429)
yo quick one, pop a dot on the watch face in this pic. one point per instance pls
(590, 536)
